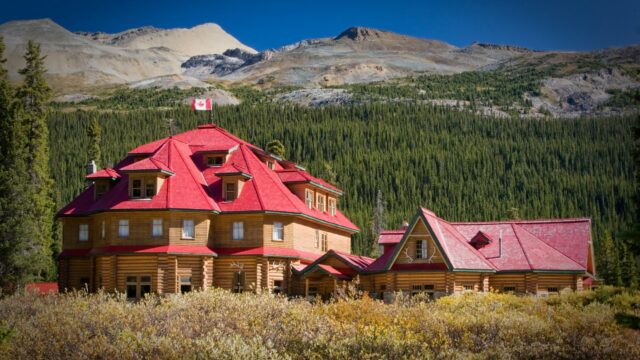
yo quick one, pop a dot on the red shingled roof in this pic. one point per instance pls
(388, 237)
(195, 186)
(106, 173)
(295, 176)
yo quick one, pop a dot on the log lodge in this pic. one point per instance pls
(206, 209)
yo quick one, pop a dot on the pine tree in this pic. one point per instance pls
(33, 96)
(93, 132)
(610, 269)
(379, 221)
(513, 213)
(276, 147)
(629, 267)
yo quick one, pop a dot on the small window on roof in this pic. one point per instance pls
(271, 165)
(215, 160)
(136, 188)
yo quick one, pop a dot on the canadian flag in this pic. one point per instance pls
(201, 104)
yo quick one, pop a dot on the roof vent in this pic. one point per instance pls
(480, 240)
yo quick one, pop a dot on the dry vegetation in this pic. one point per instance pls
(218, 324)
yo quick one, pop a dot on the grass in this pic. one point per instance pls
(218, 324)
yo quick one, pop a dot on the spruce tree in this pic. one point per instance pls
(629, 268)
(33, 96)
(379, 221)
(610, 264)
(276, 147)
(93, 132)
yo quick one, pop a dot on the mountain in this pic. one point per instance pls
(76, 62)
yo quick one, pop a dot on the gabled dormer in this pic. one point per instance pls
(316, 193)
(146, 177)
(214, 155)
(233, 178)
(103, 181)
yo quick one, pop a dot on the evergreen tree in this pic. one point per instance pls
(276, 147)
(629, 267)
(93, 132)
(610, 269)
(513, 213)
(33, 96)
(379, 222)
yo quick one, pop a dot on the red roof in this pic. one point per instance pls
(162, 249)
(196, 186)
(388, 237)
(294, 176)
(340, 273)
(268, 251)
(353, 264)
(43, 288)
(106, 173)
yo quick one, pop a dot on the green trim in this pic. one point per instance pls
(318, 185)
(237, 173)
(149, 171)
(139, 210)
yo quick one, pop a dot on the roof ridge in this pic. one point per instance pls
(524, 251)
(169, 182)
(544, 242)
(461, 239)
(530, 221)
(206, 196)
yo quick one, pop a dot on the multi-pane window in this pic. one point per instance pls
(317, 238)
(332, 206)
(278, 231)
(137, 286)
(238, 230)
(308, 198)
(215, 160)
(83, 234)
(123, 228)
(136, 188)
(320, 202)
(230, 191)
(103, 230)
(185, 284)
(156, 228)
(468, 287)
(509, 289)
(188, 229)
(324, 242)
(552, 290)
(421, 249)
(150, 187)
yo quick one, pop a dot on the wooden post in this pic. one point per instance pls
(335, 287)
(306, 288)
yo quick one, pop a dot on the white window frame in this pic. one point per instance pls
(320, 199)
(317, 239)
(103, 230)
(332, 206)
(237, 230)
(157, 229)
(277, 231)
(324, 242)
(123, 228)
(83, 232)
(188, 229)
(308, 198)
(422, 249)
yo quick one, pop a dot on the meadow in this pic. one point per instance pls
(601, 324)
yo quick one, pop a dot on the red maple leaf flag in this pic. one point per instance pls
(201, 104)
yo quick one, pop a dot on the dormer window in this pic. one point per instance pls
(230, 193)
(271, 164)
(216, 161)
(320, 202)
(101, 188)
(136, 188)
(308, 198)
(332, 206)
(150, 187)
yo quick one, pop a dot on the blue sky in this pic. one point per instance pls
(542, 25)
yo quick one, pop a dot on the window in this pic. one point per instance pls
(468, 287)
(277, 287)
(150, 187)
(145, 285)
(83, 232)
(238, 230)
(136, 188)
(324, 242)
(308, 198)
(421, 249)
(332, 206)
(317, 239)
(156, 228)
(101, 188)
(215, 160)
(271, 165)
(185, 284)
(238, 282)
(312, 291)
(188, 229)
(103, 230)
(84, 282)
(123, 228)
(416, 289)
(230, 191)
(509, 289)
(320, 202)
(552, 290)
(278, 231)
(132, 287)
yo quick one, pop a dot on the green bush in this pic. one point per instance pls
(218, 324)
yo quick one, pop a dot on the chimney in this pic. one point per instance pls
(405, 225)
(91, 167)
(500, 245)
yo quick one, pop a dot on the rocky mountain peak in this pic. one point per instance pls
(363, 34)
